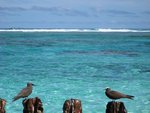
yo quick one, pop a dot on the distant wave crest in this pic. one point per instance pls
(72, 30)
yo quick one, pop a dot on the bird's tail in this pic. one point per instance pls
(130, 97)
(16, 98)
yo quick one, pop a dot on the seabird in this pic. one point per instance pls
(116, 95)
(25, 92)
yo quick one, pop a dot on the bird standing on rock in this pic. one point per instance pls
(116, 95)
(25, 92)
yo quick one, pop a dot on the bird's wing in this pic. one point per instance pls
(21, 94)
(118, 94)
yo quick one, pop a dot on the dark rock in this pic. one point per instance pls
(2, 105)
(115, 107)
(32, 105)
(72, 106)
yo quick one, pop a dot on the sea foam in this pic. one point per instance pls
(73, 30)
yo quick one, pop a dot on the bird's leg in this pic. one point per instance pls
(113, 100)
(26, 98)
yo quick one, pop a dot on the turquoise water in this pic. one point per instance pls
(75, 65)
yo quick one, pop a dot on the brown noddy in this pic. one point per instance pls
(116, 95)
(25, 92)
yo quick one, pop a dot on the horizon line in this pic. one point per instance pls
(72, 30)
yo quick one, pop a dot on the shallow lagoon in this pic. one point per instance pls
(75, 65)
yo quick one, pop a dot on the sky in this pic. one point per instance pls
(75, 14)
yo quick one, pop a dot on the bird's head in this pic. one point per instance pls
(30, 84)
(107, 89)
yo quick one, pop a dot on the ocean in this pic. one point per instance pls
(79, 64)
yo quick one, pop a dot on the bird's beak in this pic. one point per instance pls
(33, 85)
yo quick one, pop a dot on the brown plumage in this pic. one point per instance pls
(116, 95)
(25, 92)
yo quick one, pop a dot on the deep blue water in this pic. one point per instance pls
(75, 65)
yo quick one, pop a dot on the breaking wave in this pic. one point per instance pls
(74, 30)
